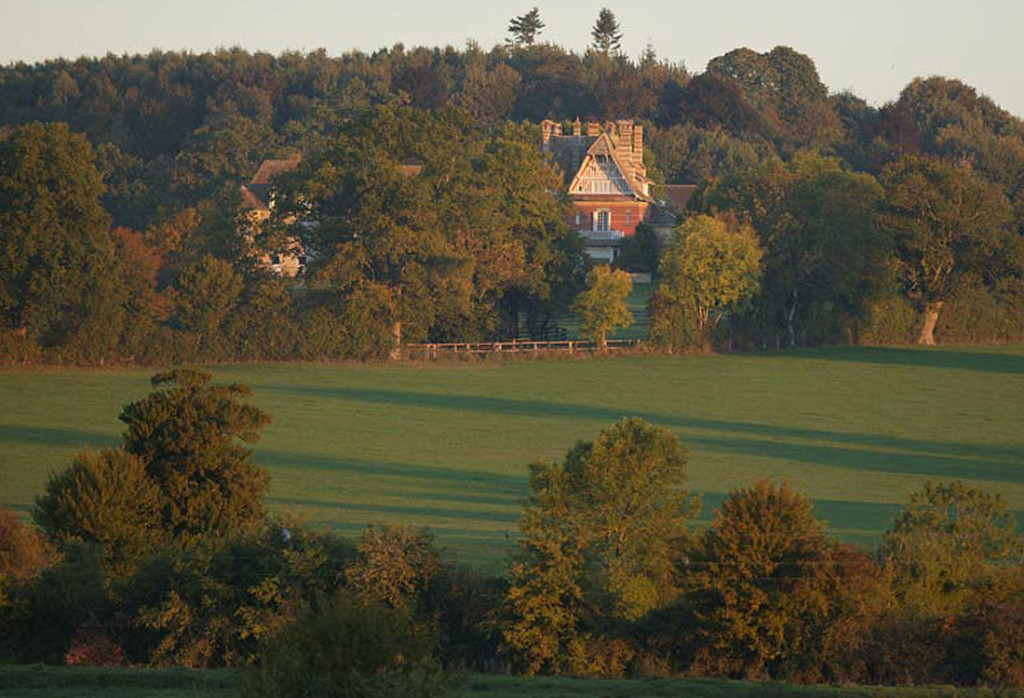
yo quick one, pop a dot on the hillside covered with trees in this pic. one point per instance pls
(120, 190)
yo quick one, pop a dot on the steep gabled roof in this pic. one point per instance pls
(603, 145)
(569, 152)
(256, 194)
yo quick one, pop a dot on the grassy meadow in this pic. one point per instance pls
(446, 445)
(68, 682)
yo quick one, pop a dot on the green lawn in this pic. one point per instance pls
(64, 682)
(447, 445)
(636, 302)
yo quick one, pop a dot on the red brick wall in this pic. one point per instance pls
(620, 215)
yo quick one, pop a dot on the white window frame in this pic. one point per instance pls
(597, 220)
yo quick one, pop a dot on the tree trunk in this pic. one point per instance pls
(790, 330)
(396, 334)
(602, 341)
(931, 318)
(396, 327)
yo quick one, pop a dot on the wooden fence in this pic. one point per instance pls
(513, 346)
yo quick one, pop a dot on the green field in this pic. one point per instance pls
(66, 682)
(447, 445)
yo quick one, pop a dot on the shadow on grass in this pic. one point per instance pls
(985, 362)
(491, 483)
(930, 464)
(857, 451)
(410, 510)
(20, 434)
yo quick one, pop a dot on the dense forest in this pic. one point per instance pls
(120, 192)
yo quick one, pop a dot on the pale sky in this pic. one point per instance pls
(871, 47)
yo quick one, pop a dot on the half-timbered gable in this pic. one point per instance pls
(606, 180)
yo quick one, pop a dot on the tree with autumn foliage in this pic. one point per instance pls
(712, 268)
(760, 584)
(104, 498)
(394, 566)
(602, 308)
(599, 532)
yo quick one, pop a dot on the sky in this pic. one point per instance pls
(870, 47)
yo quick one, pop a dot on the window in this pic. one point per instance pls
(629, 218)
(579, 219)
(602, 220)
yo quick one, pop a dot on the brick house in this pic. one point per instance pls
(607, 182)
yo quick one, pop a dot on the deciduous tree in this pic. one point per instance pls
(758, 583)
(106, 498)
(599, 530)
(59, 281)
(602, 307)
(187, 433)
(948, 222)
(710, 269)
(947, 545)
(394, 565)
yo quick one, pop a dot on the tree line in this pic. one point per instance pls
(121, 174)
(161, 552)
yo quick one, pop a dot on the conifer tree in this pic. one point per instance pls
(525, 28)
(606, 32)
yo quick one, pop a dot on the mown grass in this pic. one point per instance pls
(447, 445)
(68, 682)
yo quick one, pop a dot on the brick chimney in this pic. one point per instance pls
(624, 144)
(638, 144)
(547, 129)
(593, 129)
(577, 127)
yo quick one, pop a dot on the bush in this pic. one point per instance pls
(396, 563)
(104, 498)
(23, 553)
(345, 649)
(973, 317)
(93, 646)
(61, 601)
(891, 320)
(215, 604)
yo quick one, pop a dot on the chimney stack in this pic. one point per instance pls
(547, 128)
(638, 144)
(593, 129)
(624, 145)
(577, 127)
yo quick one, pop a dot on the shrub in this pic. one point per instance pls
(891, 320)
(343, 648)
(92, 646)
(23, 553)
(52, 609)
(104, 498)
(395, 564)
